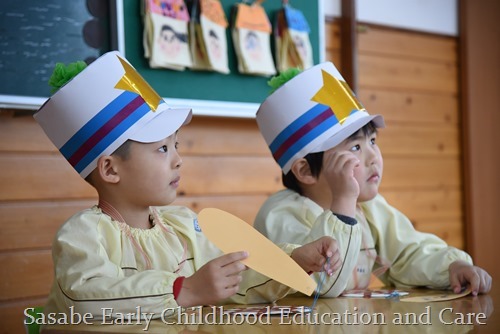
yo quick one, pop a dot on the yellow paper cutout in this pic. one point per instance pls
(212, 9)
(133, 82)
(338, 96)
(253, 18)
(231, 234)
(436, 298)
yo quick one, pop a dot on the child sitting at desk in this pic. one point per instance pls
(131, 250)
(325, 143)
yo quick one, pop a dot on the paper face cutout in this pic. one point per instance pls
(254, 52)
(251, 33)
(293, 47)
(231, 234)
(170, 44)
(214, 37)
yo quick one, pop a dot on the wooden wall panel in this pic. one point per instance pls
(411, 140)
(406, 44)
(209, 136)
(243, 206)
(424, 204)
(229, 175)
(381, 71)
(412, 80)
(416, 173)
(414, 107)
(450, 230)
(34, 224)
(19, 133)
(40, 176)
(30, 274)
(11, 314)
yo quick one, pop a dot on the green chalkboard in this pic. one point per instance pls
(35, 34)
(209, 86)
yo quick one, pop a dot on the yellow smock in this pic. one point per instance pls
(382, 232)
(101, 263)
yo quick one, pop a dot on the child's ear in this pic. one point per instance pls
(302, 171)
(106, 165)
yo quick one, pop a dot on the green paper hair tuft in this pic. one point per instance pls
(279, 80)
(62, 74)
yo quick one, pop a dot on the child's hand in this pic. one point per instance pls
(339, 172)
(462, 273)
(216, 280)
(312, 256)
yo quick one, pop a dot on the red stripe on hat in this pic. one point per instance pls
(105, 129)
(301, 132)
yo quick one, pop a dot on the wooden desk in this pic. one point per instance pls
(354, 315)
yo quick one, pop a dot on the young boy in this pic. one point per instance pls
(325, 143)
(131, 250)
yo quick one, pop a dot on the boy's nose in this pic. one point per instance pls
(371, 155)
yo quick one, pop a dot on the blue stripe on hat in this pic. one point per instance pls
(306, 139)
(296, 125)
(111, 137)
(94, 124)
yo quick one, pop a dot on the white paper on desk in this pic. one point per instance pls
(231, 234)
(270, 310)
(378, 293)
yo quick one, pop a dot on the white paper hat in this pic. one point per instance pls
(102, 107)
(313, 112)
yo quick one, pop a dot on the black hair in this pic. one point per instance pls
(123, 151)
(212, 33)
(180, 36)
(315, 161)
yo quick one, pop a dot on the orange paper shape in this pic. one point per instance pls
(231, 234)
(212, 9)
(252, 17)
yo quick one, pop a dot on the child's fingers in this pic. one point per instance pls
(233, 269)
(339, 160)
(335, 262)
(455, 284)
(329, 246)
(474, 282)
(232, 281)
(229, 258)
(229, 264)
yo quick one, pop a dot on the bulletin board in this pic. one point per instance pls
(211, 93)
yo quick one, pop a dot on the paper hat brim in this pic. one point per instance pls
(163, 125)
